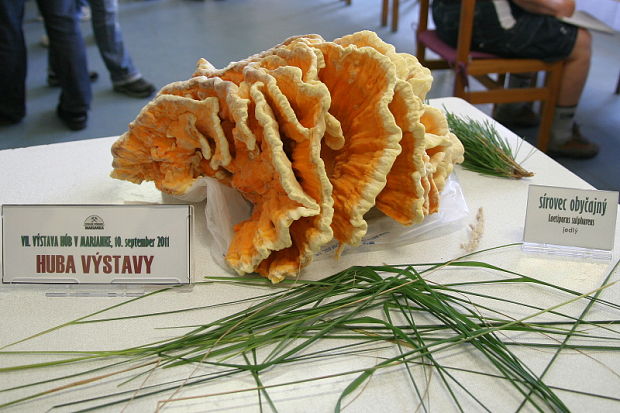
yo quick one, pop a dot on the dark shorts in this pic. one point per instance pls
(533, 36)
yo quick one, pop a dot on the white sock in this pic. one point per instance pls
(562, 127)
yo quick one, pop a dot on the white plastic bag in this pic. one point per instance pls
(226, 207)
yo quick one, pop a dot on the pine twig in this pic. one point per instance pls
(486, 152)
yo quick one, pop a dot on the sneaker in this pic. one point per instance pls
(73, 120)
(513, 116)
(52, 79)
(578, 147)
(138, 88)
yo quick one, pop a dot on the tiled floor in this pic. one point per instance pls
(166, 37)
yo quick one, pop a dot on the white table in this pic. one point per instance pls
(77, 172)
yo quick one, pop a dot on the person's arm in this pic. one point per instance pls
(558, 8)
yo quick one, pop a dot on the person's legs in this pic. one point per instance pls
(566, 139)
(125, 77)
(576, 70)
(68, 59)
(14, 63)
(52, 79)
(109, 38)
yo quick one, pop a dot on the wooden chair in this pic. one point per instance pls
(488, 69)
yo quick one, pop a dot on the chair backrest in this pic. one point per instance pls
(466, 28)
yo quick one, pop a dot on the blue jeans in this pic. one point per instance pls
(109, 38)
(66, 45)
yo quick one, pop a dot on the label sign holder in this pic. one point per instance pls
(568, 252)
(576, 223)
(96, 250)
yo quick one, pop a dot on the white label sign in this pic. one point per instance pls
(96, 244)
(571, 217)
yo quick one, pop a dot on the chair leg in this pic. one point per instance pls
(395, 9)
(384, 13)
(618, 86)
(552, 81)
(459, 85)
(544, 130)
(501, 80)
(420, 53)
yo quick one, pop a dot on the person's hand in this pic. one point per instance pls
(565, 8)
(557, 8)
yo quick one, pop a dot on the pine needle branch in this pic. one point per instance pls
(486, 152)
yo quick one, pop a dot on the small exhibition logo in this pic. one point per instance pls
(93, 222)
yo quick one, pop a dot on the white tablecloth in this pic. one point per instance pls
(77, 173)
